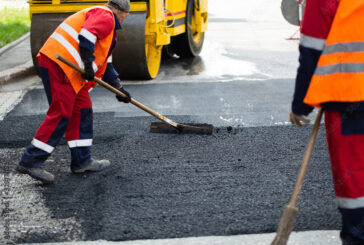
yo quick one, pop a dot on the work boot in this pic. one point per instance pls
(94, 166)
(37, 173)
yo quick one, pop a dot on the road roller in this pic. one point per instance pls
(174, 27)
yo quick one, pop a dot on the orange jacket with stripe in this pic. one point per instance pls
(339, 75)
(64, 41)
(317, 26)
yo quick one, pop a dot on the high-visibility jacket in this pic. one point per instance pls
(64, 41)
(339, 75)
(315, 27)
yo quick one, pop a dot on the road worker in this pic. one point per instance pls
(87, 38)
(331, 76)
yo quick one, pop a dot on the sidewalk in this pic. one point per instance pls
(15, 57)
(15, 53)
(16, 60)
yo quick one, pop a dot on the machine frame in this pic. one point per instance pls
(159, 20)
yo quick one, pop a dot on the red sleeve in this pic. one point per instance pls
(318, 17)
(99, 22)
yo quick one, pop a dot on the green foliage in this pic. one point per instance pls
(13, 24)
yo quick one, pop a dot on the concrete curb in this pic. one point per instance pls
(301, 238)
(23, 70)
(14, 43)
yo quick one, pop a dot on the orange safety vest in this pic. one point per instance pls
(64, 41)
(339, 75)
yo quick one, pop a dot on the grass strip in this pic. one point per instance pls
(14, 22)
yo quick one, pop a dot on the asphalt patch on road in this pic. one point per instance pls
(235, 181)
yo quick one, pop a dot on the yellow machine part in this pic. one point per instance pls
(151, 25)
(67, 6)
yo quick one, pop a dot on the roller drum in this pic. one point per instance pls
(130, 57)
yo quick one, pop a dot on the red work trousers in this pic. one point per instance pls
(69, 114)
(345, 138)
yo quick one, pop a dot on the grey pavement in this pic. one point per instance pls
(15, 60)
(15, 53)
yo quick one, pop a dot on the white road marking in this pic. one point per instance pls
(8, 100)
(12, 94)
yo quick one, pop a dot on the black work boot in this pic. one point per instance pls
(37, 173)
(94, 166)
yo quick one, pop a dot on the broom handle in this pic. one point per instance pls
(116, 91)
(306, 160)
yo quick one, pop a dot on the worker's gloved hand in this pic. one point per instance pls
(297, 119)
(89, 72)
(123, 99)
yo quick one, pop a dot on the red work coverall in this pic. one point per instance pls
(344, 122)
(70, 113)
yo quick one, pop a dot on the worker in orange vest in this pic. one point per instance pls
(87, 38)
(331, 76)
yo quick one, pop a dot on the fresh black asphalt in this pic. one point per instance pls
(235, 181)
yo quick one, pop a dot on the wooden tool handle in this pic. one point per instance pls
(288, 218)
(286, 225)
(116, 91)
(306, 160)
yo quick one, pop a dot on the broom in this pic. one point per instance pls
(168, 126)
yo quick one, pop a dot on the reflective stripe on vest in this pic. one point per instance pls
(344, 47)
(339, 75)
(72, 50)
(64, 41)
(74, 34)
